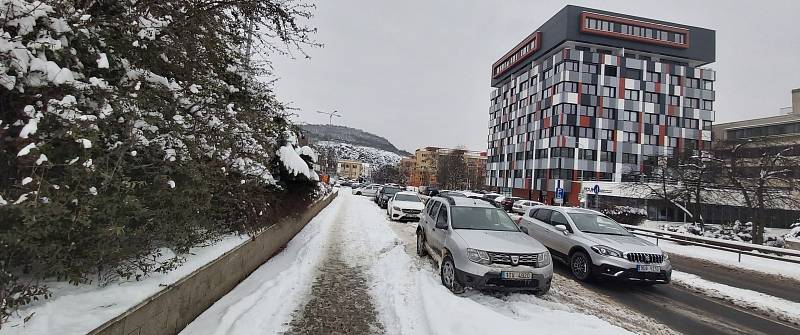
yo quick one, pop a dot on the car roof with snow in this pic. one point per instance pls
(407, 193)
(571, 209)
(465, 202)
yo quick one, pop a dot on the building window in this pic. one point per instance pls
(632, 137)
(586, 132)
(589, 89)
(652, 97)
(706, 125)
(611, 70)
(651, 118)
(609, 113)
(589, 68)
(587, 154)
(671, 142)
(587, 110)
(570, 65)
(609, 92)
(708, 105)
(630, 116)
(633, 74)
(608, 156)
(632, 95)
(541, 153)
(692, 83)
(630, 158)
(692, 102)
(546, 93)
(606, 134)
(653, 76)
(562, 152)
(708, 85)
(673, 121)
(570, 109)
(691, 123)
(674, 100)
(674, 80)
(567, 86)
(650, 139)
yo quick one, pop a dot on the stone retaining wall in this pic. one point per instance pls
(169, 311)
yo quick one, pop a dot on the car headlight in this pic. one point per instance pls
(543, 259)
(606, 251)
(478, 256)
(666, 256)
(396, 208)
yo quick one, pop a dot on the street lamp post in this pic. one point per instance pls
(330, 115)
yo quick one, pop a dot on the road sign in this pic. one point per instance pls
(596, 189)
(559, 195)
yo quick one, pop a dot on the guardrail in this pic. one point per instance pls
(713, 243)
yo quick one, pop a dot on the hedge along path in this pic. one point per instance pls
(339, 301)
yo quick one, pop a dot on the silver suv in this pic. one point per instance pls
(594, 245)
(478, 245)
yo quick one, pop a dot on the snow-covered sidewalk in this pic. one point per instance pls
(405, 290)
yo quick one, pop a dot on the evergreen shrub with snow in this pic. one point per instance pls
(128, 127)
(625, 214)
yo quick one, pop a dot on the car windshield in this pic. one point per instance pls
(597, 224)
(406, 197)
(480, 218)
(391, 190)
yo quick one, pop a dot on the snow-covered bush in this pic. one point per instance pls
(625, 214)
(794, 232)
(127, 127)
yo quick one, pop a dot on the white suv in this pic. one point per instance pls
(479, 246)
(594, 245)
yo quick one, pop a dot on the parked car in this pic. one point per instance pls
(596, 246)
(508, 203)
(522, 206)
(386, 192)
(404, 206)
(479, 246)
(368, 190)
(430, 191)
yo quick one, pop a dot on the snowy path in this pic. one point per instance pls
(404, 290)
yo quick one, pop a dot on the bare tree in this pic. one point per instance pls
(764, 173)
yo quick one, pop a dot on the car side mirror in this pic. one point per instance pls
(562, 228)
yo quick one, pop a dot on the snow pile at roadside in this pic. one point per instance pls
(264, 302)
(79, 309)
(731, 259)
(794, 233)
(410, 299)
(781, 308)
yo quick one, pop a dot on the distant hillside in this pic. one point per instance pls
(342, 134)
(375, 157)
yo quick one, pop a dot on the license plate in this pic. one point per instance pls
(648, 268)
(516, 275)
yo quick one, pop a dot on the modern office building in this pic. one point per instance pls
(596, 96)
(781, 128)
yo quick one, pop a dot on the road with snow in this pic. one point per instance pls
(353, 271)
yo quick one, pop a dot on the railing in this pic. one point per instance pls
(739, 248)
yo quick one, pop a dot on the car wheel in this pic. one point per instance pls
(449, 278)
(581, 266)
(421, 251)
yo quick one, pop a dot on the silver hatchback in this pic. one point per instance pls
(594, 245)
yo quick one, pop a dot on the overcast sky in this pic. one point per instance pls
(417, 71)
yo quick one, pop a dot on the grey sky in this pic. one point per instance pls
(417, 72)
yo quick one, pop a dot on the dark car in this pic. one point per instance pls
(508, 203)
(385, 193)
(431, 191)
